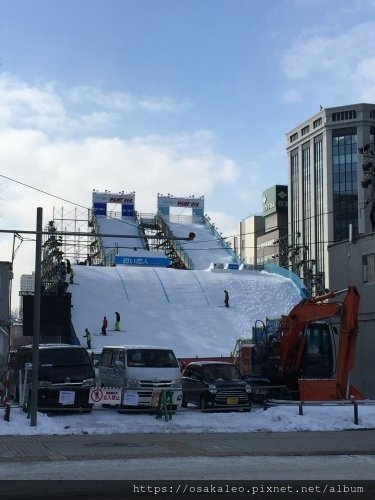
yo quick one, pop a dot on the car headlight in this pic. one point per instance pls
(212, 389)
(89, 382)
(132, 383)
(248, 388)
(176, 384)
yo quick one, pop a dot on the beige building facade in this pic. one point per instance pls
(326, 197)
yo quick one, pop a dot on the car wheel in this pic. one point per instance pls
(202, 403)
(183, 403)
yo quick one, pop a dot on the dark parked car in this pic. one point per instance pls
(65, 376)
(214, 384)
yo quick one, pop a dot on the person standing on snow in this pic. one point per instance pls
(117, 323)
(104, 326)
(71, 278)
(226, 298)
(68, 266)
(88, 338)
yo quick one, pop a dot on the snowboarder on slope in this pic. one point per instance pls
(117, 323)
(104, 326)
(226, 298)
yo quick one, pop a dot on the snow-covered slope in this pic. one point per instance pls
(124, 226)
(176, 308)
(206, 248)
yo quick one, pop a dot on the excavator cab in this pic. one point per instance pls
(319, 358)
(259, 360)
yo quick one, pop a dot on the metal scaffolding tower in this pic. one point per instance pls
(75, 247)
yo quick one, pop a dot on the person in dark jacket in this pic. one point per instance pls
(88, 338)
(226, 298)
(104, 326)
(68, 266)
(117, 323)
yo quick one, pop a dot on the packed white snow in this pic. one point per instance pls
(182, 310)
(109, 421)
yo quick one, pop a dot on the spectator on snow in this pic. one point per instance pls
(68, 266)
(226, 298)
(71, 278)
(88, 338)
(104, 326)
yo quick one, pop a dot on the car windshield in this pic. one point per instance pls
(223, 372)
(63, 357)
(151, 358)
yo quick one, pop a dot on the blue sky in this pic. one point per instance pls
(182, 97)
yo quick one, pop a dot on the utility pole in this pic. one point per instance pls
(36, 329)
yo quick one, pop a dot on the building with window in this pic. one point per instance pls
(326, 198)
(272, 246)
(262, 239)
(353, 263)
(250, 229)
(27, 285)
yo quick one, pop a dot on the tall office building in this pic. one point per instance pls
(327, 202)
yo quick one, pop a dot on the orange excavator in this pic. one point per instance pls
(300, 354)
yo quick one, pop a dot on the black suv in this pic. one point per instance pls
(214, 384)
(65, 376)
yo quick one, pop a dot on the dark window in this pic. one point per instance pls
(293, 137)
(63, 357)
(195, 372)
(106, 359)
(223, 372)
(317, 122)
(318, 351)
(368, 268)
(344, 180)
(151, 357)
(344, 115)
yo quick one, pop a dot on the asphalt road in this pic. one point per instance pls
(103, 461)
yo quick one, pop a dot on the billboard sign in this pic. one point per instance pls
(171, 201)
(123, 199)
(275, 200)
(144, 261)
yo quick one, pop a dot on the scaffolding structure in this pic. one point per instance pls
(76, 248)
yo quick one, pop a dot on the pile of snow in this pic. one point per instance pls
(109, 421)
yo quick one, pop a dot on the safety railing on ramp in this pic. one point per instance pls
(175, 244)
(222, 241)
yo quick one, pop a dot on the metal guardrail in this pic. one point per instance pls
(300, 404)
